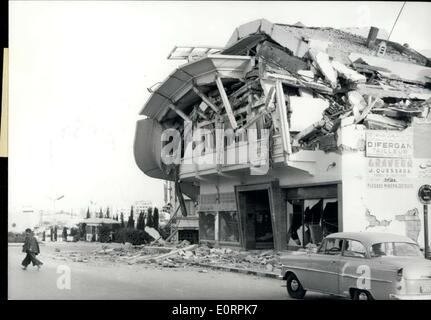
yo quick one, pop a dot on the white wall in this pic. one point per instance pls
(382, 203)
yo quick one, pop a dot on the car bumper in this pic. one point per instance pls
(410, 296)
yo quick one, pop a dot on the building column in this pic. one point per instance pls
(278, 216)
(216, 229)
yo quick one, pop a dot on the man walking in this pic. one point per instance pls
(31, 248)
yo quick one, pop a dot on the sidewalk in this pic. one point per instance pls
(257, 273)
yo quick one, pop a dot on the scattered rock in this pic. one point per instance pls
(188, 254)
(269, 267)
(184, 243)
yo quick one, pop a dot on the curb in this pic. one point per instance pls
(239, 270)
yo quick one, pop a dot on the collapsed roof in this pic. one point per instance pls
(324, 76)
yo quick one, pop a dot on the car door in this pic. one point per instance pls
(354, 267)
(324, 266)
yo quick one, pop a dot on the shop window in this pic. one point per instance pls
(207, 225)
(228, 221)
(190, 235)
(329, 220)
(310, 220)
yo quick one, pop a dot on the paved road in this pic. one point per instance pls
(136, 282)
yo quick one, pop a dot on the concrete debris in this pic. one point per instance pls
(323, 63)
(152, 232)
(173, 256)
(348, 73)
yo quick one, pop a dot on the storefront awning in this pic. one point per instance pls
(176, 92)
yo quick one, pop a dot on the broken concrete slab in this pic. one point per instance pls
(297, 46)
(398, 70)
(275, 56)
(305, 111)
(348, 73)
(379, 122)
(357, 102)
(323, 63)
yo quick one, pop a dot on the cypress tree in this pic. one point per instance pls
(131, 221)
(141, 222)
(150, 218)
(88, 213)
(156, 219)
(122, 220)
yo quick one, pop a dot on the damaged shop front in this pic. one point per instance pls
(290, 133)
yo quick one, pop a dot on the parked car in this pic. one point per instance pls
(360, 266)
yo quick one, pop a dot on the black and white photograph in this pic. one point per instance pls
(217, 150)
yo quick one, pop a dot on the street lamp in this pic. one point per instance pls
(53, 202)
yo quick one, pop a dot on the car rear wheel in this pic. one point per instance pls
(361, 295)
(294, 287)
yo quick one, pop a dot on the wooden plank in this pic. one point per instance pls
(270, 97)
(226, 103)
(206, 100)
(179, 112)
(366, 111)
(251, 122)
(299, 83)
(281, 106)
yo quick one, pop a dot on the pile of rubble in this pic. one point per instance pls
(176, 255)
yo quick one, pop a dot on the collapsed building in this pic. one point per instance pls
(290, 133)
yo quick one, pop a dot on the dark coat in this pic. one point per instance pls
(31, 244)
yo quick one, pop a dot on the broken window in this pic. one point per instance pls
(207, 225)
(312, 217)
(190, 235)
(329, 219)
(228, 221)
(310, 220)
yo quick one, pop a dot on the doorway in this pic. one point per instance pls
(258, 233)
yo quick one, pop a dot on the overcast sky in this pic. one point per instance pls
(79, 73)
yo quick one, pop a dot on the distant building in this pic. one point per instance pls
(141, 205)
(93, 225)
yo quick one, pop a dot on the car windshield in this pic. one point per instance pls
(395, 249)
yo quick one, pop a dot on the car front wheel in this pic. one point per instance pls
(361, 295)
(294, 287)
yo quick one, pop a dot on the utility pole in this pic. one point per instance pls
(424, 194)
